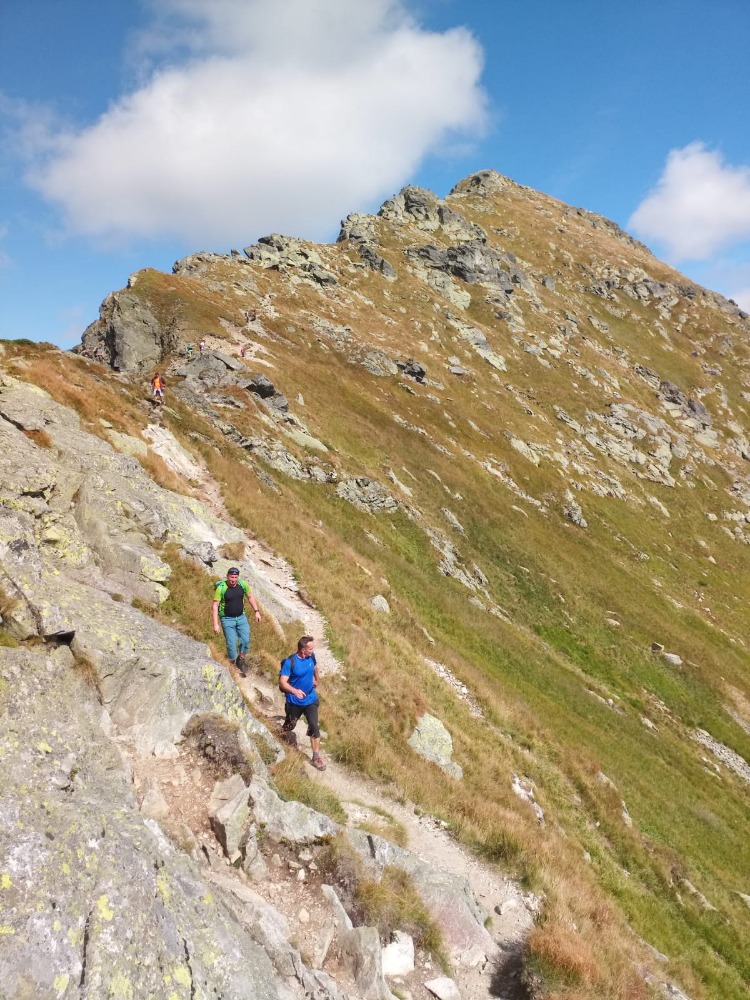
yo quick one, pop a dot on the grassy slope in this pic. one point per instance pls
(545, 677)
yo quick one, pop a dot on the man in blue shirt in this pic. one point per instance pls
(298, 680)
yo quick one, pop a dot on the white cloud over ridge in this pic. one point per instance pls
(270, 116)
(700, 205)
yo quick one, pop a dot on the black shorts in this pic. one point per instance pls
(310, 712)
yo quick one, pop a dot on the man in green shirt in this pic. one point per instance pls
(229, 608)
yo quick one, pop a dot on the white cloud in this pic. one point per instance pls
(265, 115)
(700, 205)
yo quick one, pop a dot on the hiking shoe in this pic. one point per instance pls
(318, 763)
(241, 664)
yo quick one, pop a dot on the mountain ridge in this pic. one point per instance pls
(527, 436)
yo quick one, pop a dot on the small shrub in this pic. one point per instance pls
(217, 739)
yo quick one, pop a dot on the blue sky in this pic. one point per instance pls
(134, 133)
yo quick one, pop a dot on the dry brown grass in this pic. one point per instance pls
(293, 783)
(8, 604)
(232, 550)
(564, 955)
(92, 391)
(88, 671)
(389, 903)
(161, 473)
(40, 437)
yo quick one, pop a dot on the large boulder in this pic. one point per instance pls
(128, 333)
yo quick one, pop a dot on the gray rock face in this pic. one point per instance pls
(375, 262)
(153, 679)
(484, 183)
(284, 251)
(418, 207)
(95, 512)
(269, 928)
(210, 370)
(358, 228)
(472, 261)
(398, 955)
(381, 604)
(378, 363)
(96, 901)
(412, 369)
(289, 821)
(229, 813)
(129, 333)
(443, 988)
(573, 512)
(366, 494)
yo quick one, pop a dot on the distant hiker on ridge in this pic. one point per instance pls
(157, 388)
(229, 607)
(298, 680)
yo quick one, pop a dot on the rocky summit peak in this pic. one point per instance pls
(493, 455)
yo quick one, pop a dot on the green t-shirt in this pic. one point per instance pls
(231, 599)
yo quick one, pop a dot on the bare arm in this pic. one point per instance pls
(254, 605)
(285, 686)
(215, 616)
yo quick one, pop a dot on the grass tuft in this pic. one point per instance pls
(292, 783)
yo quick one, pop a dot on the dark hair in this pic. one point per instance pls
(304, 642)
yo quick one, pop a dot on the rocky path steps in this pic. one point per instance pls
(484, 964)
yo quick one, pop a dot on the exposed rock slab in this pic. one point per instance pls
(96, 901)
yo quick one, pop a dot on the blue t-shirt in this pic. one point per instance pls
(301, 671)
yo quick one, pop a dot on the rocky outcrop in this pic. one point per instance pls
(414, 206)
(292, 822)
(276, 251)
(128, 334)
(96, 900)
